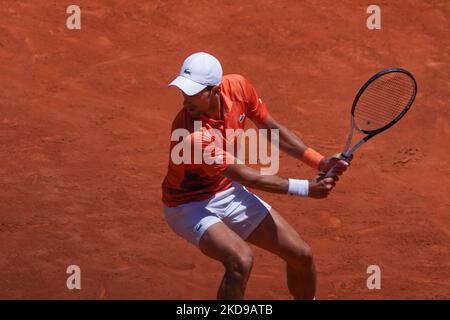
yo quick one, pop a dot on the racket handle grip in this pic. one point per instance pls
(341, 157)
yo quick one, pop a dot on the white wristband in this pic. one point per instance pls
(298, 187)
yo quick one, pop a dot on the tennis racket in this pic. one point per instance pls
(380, 103)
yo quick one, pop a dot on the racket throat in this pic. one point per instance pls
(345, 154)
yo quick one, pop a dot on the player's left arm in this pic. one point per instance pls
(290, 143)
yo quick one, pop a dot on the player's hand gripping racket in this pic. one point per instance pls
(381, 102)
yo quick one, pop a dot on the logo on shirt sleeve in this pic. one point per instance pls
(241, 117)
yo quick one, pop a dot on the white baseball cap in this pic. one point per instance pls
(199, 71)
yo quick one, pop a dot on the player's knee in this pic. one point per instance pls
(307, 255)
(303, 257)
(239, 265)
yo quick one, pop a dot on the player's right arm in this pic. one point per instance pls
(318, 188)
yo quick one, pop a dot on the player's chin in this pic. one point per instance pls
(194, 115)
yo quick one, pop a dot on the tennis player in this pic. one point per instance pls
(208, 203)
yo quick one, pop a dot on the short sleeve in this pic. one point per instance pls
(255, 108)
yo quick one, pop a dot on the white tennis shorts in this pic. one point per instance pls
(241, 210)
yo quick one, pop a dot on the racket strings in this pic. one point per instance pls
(383, 100)
(387, 100)
(382, 113)
(393, 91)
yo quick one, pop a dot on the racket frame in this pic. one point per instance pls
(346, 153)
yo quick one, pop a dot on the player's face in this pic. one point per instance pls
(197, 104)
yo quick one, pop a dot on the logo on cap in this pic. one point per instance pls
(187, 71)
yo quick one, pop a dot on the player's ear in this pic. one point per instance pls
(215, 90)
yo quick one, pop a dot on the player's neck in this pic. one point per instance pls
(216, 109)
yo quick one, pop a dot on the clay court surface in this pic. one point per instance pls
(85, 121)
